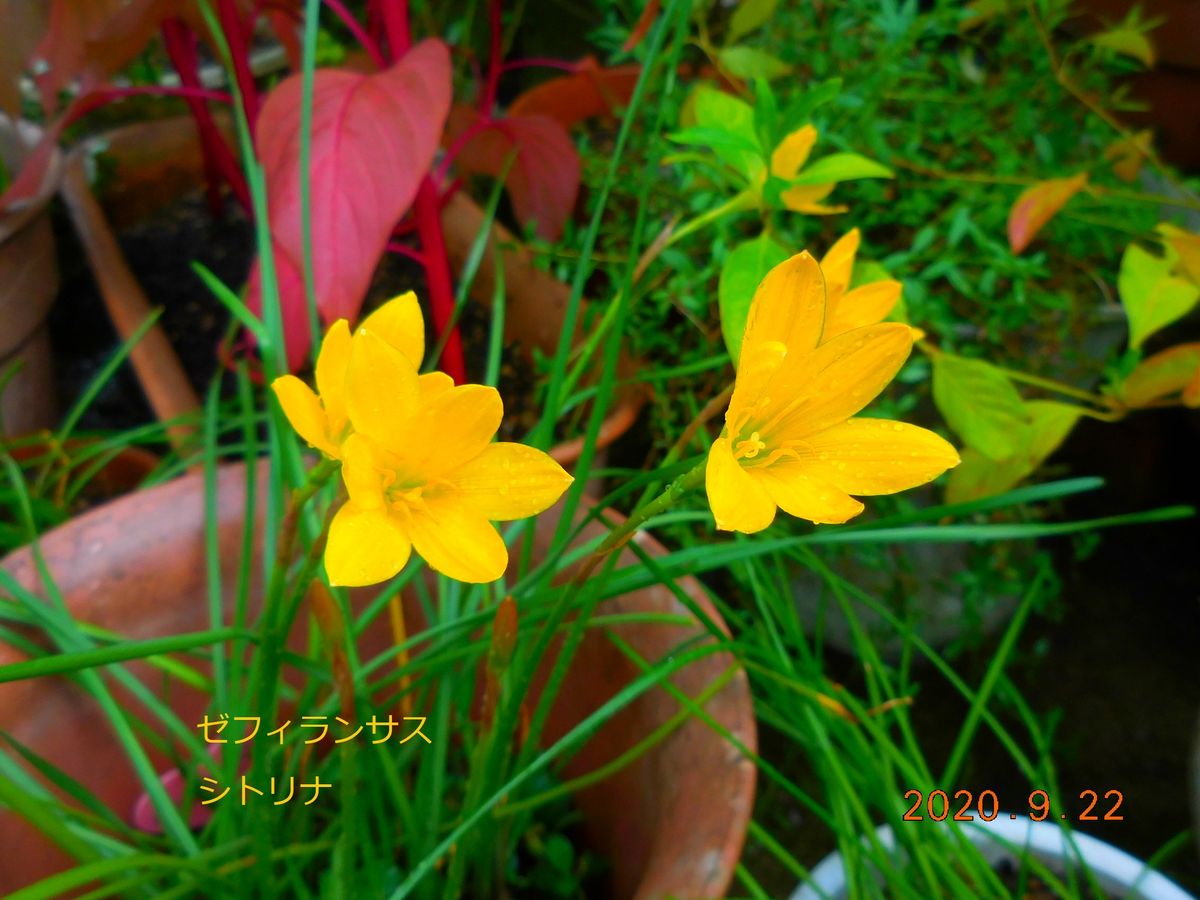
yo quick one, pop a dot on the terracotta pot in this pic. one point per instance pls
(672, 823)
(535, 308)
(28, 285)
(125, 472)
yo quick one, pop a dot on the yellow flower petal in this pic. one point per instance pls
(788, 307)
(754, 374)
(864, 305)
(381, 391)
(510, 481)
(457, 541)
(738, 502)
(824, 388)
(818, 209)
(805, 496)
(363, 472)
(792, 152)
(331, 375)
(366, 546)
(837, 265)
(303, 409)
(435, 383)
(875, 456)
(399, 323)
(805, 198)
(451, 429)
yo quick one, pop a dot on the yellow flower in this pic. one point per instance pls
(320, 418)
(790, 438)
(421, 470)
(847, 309)
(786, 162)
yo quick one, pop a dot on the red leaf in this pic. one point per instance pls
(543, 181)
(590, 91)
(642, 26)
(92, 39)
(374, 138)
(22, 24)
(1037, 205)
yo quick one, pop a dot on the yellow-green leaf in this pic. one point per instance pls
(1161, 375)
(978, 476)
(979, 402)
(744, 268)
(1127, 41)
(1037, 205)
(1186, 247)
(1127, 154)
(1152, 297)
(749, 15)
(749, 62)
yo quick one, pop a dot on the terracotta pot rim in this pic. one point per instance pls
(61, 547)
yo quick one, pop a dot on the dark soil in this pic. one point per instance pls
(160, 251)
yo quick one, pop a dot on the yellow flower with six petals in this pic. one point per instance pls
(791, 438)
(418, 459)
(847, 309)
(786, 161)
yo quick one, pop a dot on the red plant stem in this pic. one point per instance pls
(544, 62)
(219, 161)
(239, 52)
(405, 250)
(428, 214)
(369, 44)
(437, 275)
(495, 59)
(395, 23)
(111, 94)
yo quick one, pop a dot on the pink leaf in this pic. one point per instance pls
(1037, 205)
(543, 181)
(374, 137)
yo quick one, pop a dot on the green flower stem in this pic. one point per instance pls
(746, 200)
(274, 620)
(1057, 387)
(618, 537)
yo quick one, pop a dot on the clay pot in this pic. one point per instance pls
(671, 823)
(124, 472)
(28, 285)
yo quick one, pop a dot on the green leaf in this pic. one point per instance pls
(977, 476)
(750, 62)
(1152, 297)
(1127, 41)
(723, 112)
(744, 268)
(979, 403)
(712, 138)
(841, 167)
(749, 15)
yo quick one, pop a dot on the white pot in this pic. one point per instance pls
(1114, 870)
